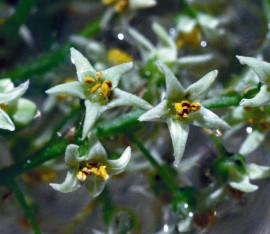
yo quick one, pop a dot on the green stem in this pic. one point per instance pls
(164, 173)
(221, 149)
(25, 207)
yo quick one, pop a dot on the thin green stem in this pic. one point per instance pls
(25, 207)
(221, 149)
(164, 173)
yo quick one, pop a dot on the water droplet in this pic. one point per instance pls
(121, 36)
(166, 228)
(172, 31)
(147, 73)
(28, 161)
(38, 114)
(186, 205)
(59, 134)
(190, 214)
(249, 130)
(203, 43)
(218, 133)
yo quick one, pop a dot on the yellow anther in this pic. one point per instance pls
(106, 88)
(189, 38)
(117, 56)
(121, 6)
(89, 80)
(183, 108)
(81, 176)
(98, 76)
(195, 106)
(101, 171)
(95, 88)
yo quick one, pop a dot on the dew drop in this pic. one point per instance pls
(190, 214)
(166, 228)
(147, 73)
(186, 205)
(172, 31)
(249, 130)
(121, 36)
(29, 161)
(38, 114)
(203, 43)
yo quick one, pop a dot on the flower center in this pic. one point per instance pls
(191, 38)
(120, 6)
(97, 90)
(89, 168)
(183, 108)
(116, 56)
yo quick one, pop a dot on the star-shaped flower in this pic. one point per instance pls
(262, 69)
(90, 166)
(182, 107)
(13, 107)
(98, 89)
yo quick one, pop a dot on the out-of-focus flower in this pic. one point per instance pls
(90, 166)
(13, 108)
(182, 107)
(98, 89)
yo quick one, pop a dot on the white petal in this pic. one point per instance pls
(92, 113)
(257, 172)
(114, 73)
(14, 93)
(138, 4)
(5, 121)
(262, 98)
(6, 85)
(185, 23)
(122, 98)
(174, 89)
(95, 185)
(193, 60)
(70, 184)
(83, 66)
(97, 151)
(71, 88)
(164, 38)
(141, 40)
(156, 113)
(72, 157)
(198, 90)
(179, 133)
(209, 119)
(244, 185)
(261, 68)
(25, 111)
(118, 165)
(252, 142)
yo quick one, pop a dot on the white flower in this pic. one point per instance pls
(262, 69)
(182, 107)
(98, 89)
(13, 107)
(90, 166)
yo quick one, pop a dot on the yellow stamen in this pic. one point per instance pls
(121, 6)
(116, 56)
(101, 171)
(89, 80)
(106, 88)
(191, 38)
(95, 88)
(183, 108)
(81, 176)
(98, 76)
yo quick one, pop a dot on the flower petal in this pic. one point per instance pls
(174, 89)
(257, 172)
(244, 185)
(71, 88)
(97, 151)
(262, 98)
(5, 121)
(139, 4)
(118, 165)
(92, 113)
(72, 157)
(209, 119)
(25, 111)
(198, 90)
(6, 85)
(14, 94)
(252, 142)
(261, 68)
(70, 183)
(83, 66)
(95, 185)
(156, 113)
(114, 73)
(122, 98)
(194, 60)
(179, 133)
